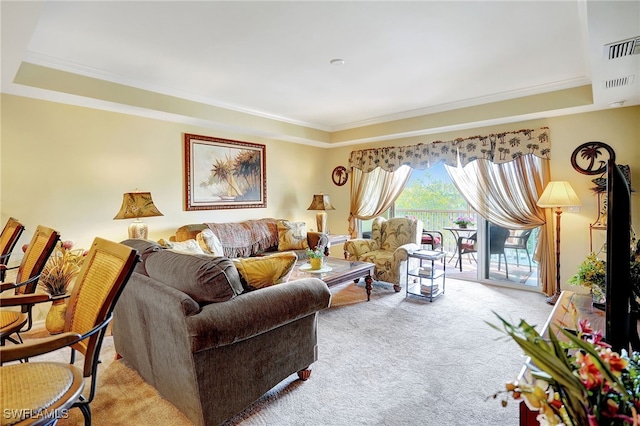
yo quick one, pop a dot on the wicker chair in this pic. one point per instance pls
(8, 239)
(13, 322)
(49, 388)
(519, 241)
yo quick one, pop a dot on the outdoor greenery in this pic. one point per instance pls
(427, 193)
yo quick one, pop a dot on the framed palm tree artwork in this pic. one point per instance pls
(223, 173)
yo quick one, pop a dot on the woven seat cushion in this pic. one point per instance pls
(31, 389)
(8, 317)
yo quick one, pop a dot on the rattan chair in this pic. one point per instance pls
(12, 322)
(105, 270)
(8, 239)
(497, 238)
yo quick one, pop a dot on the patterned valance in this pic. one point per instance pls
(497, 147)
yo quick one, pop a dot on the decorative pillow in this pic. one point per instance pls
(209, 242)
(265, 271)
(292, 235)
(188, 246)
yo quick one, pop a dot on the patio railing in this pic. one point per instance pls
(436, 220)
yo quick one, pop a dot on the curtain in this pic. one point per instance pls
(372, 193)
(520, 179)
(496, 147)
(506, 194)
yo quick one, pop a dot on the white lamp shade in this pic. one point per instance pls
(559, 194)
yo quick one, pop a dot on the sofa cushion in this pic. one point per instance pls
(292, 235)
(206, 279)
(259, 272)
(209, 242)
(144, 248)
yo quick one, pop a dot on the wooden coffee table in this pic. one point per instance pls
(336, 271)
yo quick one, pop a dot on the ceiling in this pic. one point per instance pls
(264, 67)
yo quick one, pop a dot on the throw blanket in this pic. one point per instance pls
(248, 238)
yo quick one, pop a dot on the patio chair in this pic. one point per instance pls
(8, 239)
(48, 389)
(466, 245)
(518, 240)
(12, 322)
(497, 238)
(432, 239)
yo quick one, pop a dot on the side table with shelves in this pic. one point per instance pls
(429, 282)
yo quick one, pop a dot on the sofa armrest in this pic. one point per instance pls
(356, 247)
(256, 312)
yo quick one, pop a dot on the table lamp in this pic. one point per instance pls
(321, 203)
(558, 194)
(134, 206)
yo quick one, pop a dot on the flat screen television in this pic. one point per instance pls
(619, 293)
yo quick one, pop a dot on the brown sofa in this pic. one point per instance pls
(248, 238)
(210, 347)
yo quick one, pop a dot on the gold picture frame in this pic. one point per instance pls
(223, 173)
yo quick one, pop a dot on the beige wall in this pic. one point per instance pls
(67, 167)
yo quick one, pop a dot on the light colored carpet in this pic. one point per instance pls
(391, 361)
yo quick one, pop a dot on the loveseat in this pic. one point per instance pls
(255, 237)
(190, 328)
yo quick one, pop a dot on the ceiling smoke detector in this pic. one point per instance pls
(622, 48)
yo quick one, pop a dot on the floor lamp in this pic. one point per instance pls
(556, 195)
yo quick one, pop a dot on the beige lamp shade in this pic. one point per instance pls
(321, 202)
(134, 206)
(558, 194)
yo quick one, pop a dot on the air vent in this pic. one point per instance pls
(618, 82)
(622, 48)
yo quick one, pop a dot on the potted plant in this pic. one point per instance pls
(578, 380)
(58, 274)
(591, 274)
(463, 221)
(315, 257)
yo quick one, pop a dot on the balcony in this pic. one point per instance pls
(519, 273)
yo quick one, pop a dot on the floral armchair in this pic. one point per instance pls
(387, 248)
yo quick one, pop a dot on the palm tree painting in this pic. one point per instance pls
(223, 173)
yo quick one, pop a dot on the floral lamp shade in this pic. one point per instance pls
(134, 206)
(321, 203)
